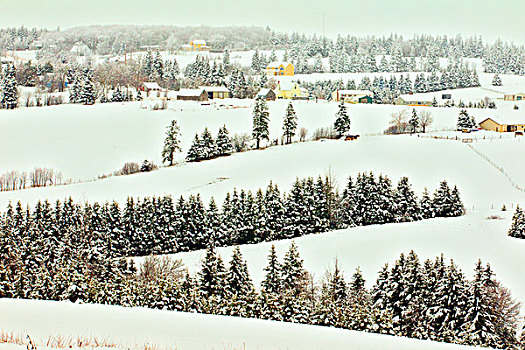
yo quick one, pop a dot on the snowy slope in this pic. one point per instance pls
(87, 141)
(135, 327)
(425, 161)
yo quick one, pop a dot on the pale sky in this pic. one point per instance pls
(490, 18)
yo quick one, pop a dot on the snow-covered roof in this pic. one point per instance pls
(277, 64)
(356, 92)
(214, 88)
(190, 92)
(81, 49)
(150, 85)
(417, 97)
(199, 42)
(263, 92)
(505, 120)
(287, 85)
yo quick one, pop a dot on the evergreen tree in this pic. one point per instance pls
(171, 143)
(195, 153)
(238, 279)
(464, 121)
(208, 145)
(407, 205)
(272, 282)
(517, 230)
(212, 276)
(8, 88)
(289, 123)
(292, 272)
(342, 120)
(261, 118)
(426, 205)
(414, 122)
(224, 143)
(496, 81)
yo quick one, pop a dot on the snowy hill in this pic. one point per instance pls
(138, 327)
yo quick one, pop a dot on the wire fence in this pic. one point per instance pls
(499, 168)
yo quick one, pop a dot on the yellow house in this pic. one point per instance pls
(492, 125)
(196, 45)
(293, 91)
(280, 68)
(515, 97)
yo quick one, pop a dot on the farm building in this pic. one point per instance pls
(508, 126)
(80, 49)
(151, 89)
(192, 95)
(216, 92)
(353, 96)
(280, 68)
(267, 94)
(196, 45)
(414, 100)
(289, 90)
(515, 97)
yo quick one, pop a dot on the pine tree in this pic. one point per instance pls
(414, 122)
(464, 121)
(407, 205)
(272, 282)
(426, 205)
(212, 275)
(292, 272)
(195, 153)
(208, 145)
(261, 118)
(238, 279)
(342, 120)
(289, 123)
(8, 88)
(224, 143)
(517, 230)
(496, 81)
(171, 143)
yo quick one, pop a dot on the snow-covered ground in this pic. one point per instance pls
(84, 142)
(136, 328)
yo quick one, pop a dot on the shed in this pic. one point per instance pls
(192, 95)
(150, 88)
(216, 92)
(267, 94)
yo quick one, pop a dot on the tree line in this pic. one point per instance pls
(160, 225)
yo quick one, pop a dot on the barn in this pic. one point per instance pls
(219, 92)
(505, 126)
(192, 95)
(267, 94)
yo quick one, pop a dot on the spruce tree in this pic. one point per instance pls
(272, 282)
(238, 279)
(342, 120)
(407, 205)
(292, 271)
(289, 123)
(195, 153)
(212, 275)
(517, 230)
(496, 81)
(224, 143)
(171, 143)
(87, 89)
(208, 145)
(414, 122)
(8, 88)
(261, 118)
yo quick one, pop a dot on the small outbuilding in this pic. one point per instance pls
(267, 94)
(150, 88)
(219, 92)
(192, 95)
(414, 100)
(353, 96)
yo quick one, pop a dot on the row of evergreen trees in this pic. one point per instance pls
(8, 88)
(159, 225)
(431, 300)
(82, 88)
(206, 147)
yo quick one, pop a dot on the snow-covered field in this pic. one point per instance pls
(138, 328)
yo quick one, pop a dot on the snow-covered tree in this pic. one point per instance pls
(224, 143)
(289, 123)
(171, 143)
(496, 81)
(517, 229)
(261, 117)
(342, 120)
(414, 122)
(8, 88)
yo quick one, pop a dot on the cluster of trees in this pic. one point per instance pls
(206, 147)
(160, 225)
(8, 88)
(203, 73)
(82, 88)
(402, 124)
(517, 230)
(19, 38)
(386, 90)
(465, 121)
(430, 300)
(38, 177)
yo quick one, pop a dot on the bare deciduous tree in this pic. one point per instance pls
(156, 269)
(425, 120)
(399, 121)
